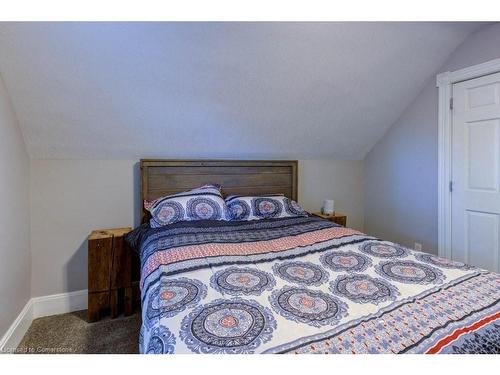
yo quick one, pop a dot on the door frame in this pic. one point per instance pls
(444, 82)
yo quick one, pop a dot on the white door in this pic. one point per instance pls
(476, 172)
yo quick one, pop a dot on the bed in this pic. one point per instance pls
(297, 285)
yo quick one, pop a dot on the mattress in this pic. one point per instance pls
(306, 285)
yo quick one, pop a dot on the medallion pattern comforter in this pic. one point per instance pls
(305, 285)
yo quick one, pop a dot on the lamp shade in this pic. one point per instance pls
(328, 206)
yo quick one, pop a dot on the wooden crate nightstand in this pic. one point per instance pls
(107, 267)
(337, 217)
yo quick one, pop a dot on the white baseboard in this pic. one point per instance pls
(38, 307)
(17, 330)
(59, 303)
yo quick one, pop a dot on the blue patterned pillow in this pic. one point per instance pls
(264, 207)
(203, 203)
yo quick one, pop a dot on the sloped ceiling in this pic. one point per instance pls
(241, 90)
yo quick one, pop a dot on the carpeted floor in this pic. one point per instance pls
(70, 333)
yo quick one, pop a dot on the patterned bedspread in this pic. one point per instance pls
(305, 285)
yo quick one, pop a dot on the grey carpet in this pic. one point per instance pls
(71, 333)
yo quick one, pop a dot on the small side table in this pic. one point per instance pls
(107, 265)
(337, 218)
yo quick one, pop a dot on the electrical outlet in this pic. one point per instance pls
(417, 246)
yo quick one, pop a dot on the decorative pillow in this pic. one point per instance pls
(203, 203)
(264, 207)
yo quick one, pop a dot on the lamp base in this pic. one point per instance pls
(328, 213)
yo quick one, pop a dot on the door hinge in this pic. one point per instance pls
(451, 103)
(451, 186)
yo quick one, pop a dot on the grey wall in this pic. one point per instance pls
(341, 180)
(69, 198)
(14, 216)
(401, 169)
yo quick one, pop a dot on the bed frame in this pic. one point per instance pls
(238, 177)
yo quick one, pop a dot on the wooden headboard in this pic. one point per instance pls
(241, 177)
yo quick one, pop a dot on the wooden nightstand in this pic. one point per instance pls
(337, 217)
(107, 268)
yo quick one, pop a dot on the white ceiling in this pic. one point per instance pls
(241, 90)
